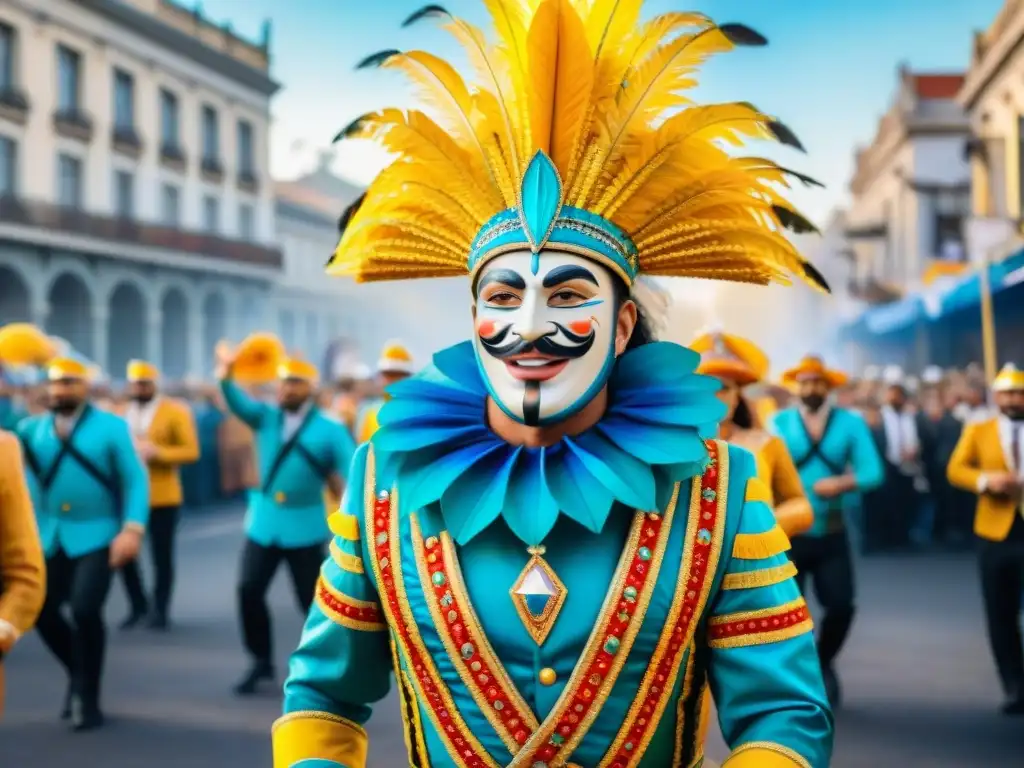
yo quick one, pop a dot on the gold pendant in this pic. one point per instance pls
(538, 595)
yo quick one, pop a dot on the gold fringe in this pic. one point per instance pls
(763, 577)
(758, 546)
(344, 526)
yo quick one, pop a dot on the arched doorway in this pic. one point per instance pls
(174, 335)
(71, 313)
(126, 329)
(14, 298)
(215, 326)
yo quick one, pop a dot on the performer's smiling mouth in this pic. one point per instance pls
(535, 367)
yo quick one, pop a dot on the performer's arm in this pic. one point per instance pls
(132, 475)
(250, 411)
(964, 468)
(185, 448)
(344, 448)
(343, 662)
(763, 669)
(792, 509)
(867, 467)
(22, 569)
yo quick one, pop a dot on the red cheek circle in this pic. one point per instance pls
(580, 327)
(485, 328)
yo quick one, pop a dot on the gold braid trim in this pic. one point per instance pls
(752, 755)
(345, 561)
(758, 546)
(764, 577)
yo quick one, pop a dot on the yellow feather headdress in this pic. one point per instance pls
(576, 134)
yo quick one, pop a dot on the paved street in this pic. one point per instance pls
(920, 689)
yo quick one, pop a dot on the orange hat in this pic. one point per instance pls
(61, 368)
(813, 367)
(725, 356)
(292, 368)
(258, 358)
(139, 370)
(25, 344)
(395, 358)
(1010, 379)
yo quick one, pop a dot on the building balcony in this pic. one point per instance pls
(73, 124)
(126, 141)
(873, 291)
(173, 157)
(248, 182)
(14, 105)
(211, 170)
(127, 234)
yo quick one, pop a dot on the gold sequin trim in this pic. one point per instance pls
(763, 577)
(410, 729)
(677, 756)
(771, 746)
(764, 638)
(758, 546)
(334, 604)
(345, 561)
(312, 714)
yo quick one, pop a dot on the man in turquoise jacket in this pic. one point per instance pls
(537, 546)
(91, 495)
(838, 463)
(300, 453)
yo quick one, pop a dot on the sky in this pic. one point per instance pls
(829, 71)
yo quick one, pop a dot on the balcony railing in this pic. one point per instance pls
(70, 221)
(873, 291)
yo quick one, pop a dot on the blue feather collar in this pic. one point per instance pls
(434, 442)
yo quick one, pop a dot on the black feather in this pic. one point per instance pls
(802, 177)
(349, 129)
(812, 273)
(793, 221)
(741, 34)
(426, 12)
(376, 59)
(784, 135)
(349, 213)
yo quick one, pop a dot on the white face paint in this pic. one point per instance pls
(545, 333)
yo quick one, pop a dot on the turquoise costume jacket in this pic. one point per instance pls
(703, 595)
(87, 488)
(11, 413)
(287, 510)
(846, 446)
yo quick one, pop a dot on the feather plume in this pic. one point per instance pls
(790, 219)
(740, 34)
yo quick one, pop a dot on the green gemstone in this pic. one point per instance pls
(629, 594)
(611, 645)
(709, 494)
(438, 579)
(557, 740)
(629, 746)
(623, 616)
(644, 553)
(467, 651)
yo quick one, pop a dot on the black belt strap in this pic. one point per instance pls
(93, 471)
(285, 450)
(815, 450)
(321, 470)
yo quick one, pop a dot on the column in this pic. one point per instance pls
(100, 341)
(154, 334)
(39, 310)
(198, 365)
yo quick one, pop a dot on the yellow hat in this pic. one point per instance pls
(1010, 379)
(139, 370)
(394, 358)
(66, 368)
(291, 368)
(725, 356)
(813, 367)
(25, 344)
(258, 358)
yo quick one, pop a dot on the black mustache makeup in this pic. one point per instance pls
(497, 346)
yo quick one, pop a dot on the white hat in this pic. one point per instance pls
(871, 373)
(395, 358)
(932, 375)
(893, 375)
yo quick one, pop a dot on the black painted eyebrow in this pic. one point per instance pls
(564, 274)
(508, 277)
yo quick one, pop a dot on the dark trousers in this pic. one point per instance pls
(825, 561)
(259, 564)
(163, 524)
(891, 510)
(1002, 582)
(83, 583)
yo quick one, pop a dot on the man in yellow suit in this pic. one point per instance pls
(989, 461)
(164, 433)
(22, 572)
(394, 365)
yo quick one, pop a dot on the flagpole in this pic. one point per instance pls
(988, 323)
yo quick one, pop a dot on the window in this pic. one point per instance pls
(7, 43)
(245, 148)
(124, 195)
(246, 222)
(69, 181)
(69, 80)
(8, 167)
(951, 207)
(211, 214)
(124, 100)
(211, 139)
(170, 205)
(168, 119)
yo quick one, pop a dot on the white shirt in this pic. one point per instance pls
(1006, 428)
(65, 424)
(900, 434)
(140, 416)
(293, 420)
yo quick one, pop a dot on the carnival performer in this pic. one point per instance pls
(836, 457)
(738, 363)
(537, 537)
(301, 452)
(22, 571)
(989, 461)
(92, 507)
(164, 431)
(395, 364)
